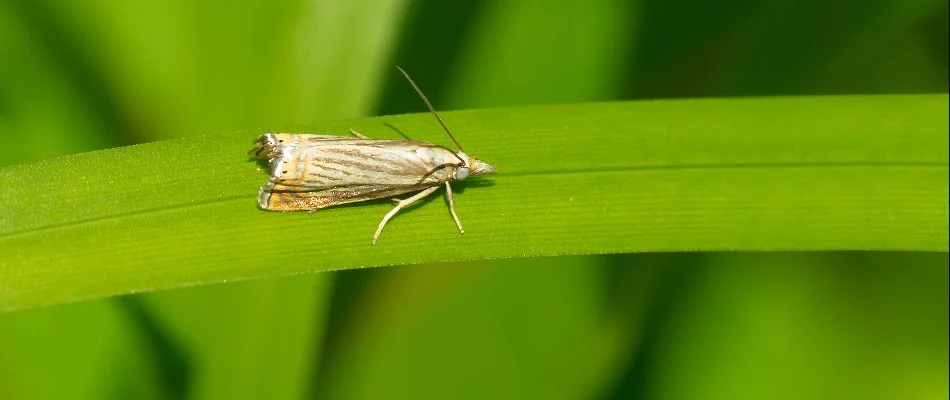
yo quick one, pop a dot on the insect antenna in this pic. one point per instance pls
(426, 100)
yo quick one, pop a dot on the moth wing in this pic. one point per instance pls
(316, 171)
(331, 162)
(275, 145)
(281, 200)
(303, 141)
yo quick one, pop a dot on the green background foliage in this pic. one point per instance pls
(82, 76)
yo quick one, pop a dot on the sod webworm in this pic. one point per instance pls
(311, 172)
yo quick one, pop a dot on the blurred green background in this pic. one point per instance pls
(80, 76)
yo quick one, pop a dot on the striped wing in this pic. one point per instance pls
(279, 200)
(310, 172)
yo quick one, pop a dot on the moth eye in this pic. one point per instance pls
(461, 173)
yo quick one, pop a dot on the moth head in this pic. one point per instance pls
(472, 166)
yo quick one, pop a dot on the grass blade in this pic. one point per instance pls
(799, 173)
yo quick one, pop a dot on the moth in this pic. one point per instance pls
(312, 172)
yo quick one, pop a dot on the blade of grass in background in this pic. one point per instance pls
(573, 56)
(246, 340)
(792, 326)
(546, 320)
(49, 103)
(809, 173)
(740, 48)
(662, 314)
(93, 350)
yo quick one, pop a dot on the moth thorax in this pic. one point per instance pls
(461, 171)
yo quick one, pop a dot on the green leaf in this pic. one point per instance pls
(541, 308)
(807, 315)
(79, 347)
(247, 316)
(798, 173)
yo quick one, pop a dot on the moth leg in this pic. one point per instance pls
(358, 135)
(448, 194)
(402, 203)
